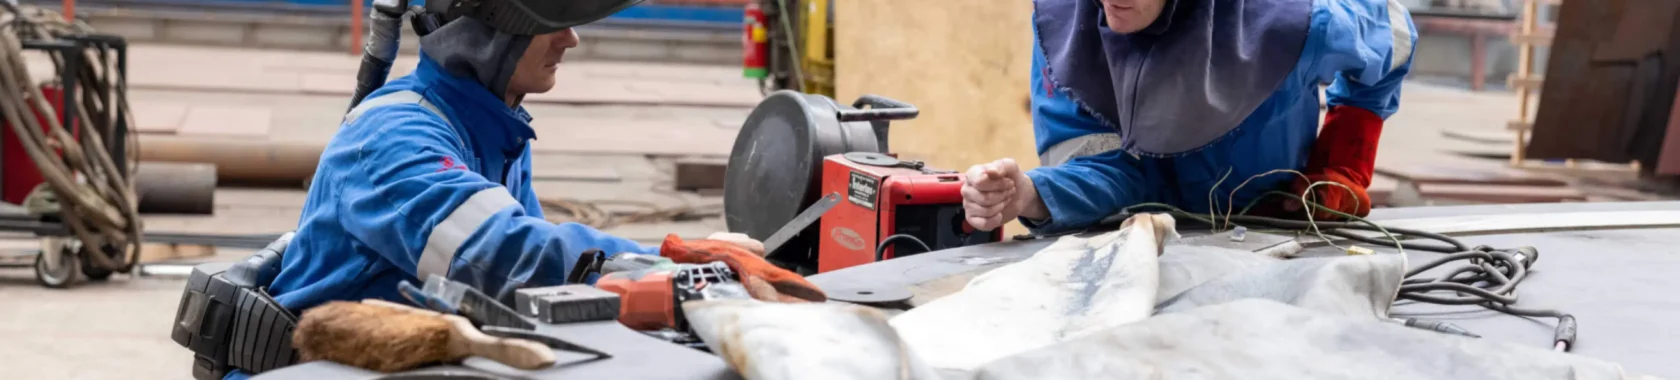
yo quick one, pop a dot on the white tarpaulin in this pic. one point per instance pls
(1073, 287)
(1264, 339)
(1105, 307)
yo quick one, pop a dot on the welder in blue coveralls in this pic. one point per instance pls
(431, 175)
(1180, 101)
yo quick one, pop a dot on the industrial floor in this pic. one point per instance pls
(622, 130)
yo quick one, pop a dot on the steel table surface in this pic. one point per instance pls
(1616, 282)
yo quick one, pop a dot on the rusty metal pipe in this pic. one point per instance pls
(239, 161)
(176, 188)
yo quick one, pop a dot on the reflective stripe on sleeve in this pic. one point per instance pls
(448, 236)
(1087, 145)
(1402, 46)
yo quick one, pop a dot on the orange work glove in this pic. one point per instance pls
(1346, 154)
(765, 281)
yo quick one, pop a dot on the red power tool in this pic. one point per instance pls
(891, 208)
(814, 181)
(651, 299)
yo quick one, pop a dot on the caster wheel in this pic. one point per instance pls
(61, 276)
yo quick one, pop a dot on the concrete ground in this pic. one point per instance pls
(119, 329)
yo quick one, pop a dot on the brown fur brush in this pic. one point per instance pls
(389, 337)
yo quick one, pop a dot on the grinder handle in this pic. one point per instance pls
(880, 108)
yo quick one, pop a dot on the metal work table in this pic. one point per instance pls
(1609, 264)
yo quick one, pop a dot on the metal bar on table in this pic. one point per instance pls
(225, 241)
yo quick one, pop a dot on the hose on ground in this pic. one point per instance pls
(96, 200)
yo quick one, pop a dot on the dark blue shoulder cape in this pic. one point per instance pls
(1187, 80)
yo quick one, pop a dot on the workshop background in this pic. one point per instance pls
(635, 136)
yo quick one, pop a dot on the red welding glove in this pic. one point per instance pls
(765, 281)
(1346, 154)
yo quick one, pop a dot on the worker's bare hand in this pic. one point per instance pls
(757, 247)
(995, 193)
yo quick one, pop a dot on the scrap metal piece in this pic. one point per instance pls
(568, 304)
(800, 223)
(1608, 68)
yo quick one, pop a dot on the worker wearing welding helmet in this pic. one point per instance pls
(1181, 101)
(430, 174)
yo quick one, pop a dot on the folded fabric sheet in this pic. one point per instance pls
(1265, 339)
(1076, 286)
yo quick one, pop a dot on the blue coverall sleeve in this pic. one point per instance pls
(413, 200)
(1083, 190)
(1363, 49)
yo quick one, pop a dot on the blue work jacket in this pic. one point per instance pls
(1353, 45)
(434, 184)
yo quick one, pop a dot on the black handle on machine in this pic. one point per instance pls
(380, 50)
(880, 108)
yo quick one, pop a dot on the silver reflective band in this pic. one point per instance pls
(448, 236)
(1087, 145)
(389, 99)
(1402, 51)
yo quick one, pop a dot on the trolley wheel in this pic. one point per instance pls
(57, 278)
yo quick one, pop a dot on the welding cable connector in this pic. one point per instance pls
(1436, 326)
(1563, 339)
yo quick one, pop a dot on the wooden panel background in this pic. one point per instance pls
(966, 67)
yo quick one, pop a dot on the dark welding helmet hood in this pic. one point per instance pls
(529, 17)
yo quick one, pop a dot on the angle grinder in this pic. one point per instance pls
(816, 182)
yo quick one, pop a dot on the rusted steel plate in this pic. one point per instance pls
(1608, 91)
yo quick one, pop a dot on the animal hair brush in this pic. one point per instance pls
(389, 337)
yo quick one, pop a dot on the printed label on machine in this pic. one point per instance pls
(862, 190)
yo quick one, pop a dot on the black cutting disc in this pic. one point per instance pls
(770, 169)
(775, 167)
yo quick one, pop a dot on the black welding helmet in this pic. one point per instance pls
(484, 39)
(529, 17)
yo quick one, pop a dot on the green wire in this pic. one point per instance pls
(1177, 212)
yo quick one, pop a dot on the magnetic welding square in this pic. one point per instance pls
(567, 304)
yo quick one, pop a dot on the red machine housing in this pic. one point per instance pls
(879, 202)
(18, 173)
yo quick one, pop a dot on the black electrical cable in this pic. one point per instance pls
(881, 249)
(1488, 277)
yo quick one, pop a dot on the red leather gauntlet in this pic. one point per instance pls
(1345, 153)
(765, 281)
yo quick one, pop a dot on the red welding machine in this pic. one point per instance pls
(891, 208)
(812, 179)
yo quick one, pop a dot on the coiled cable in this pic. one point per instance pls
(97, 201)
(1485, 276)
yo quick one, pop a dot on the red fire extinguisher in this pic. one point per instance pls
(754, 43)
